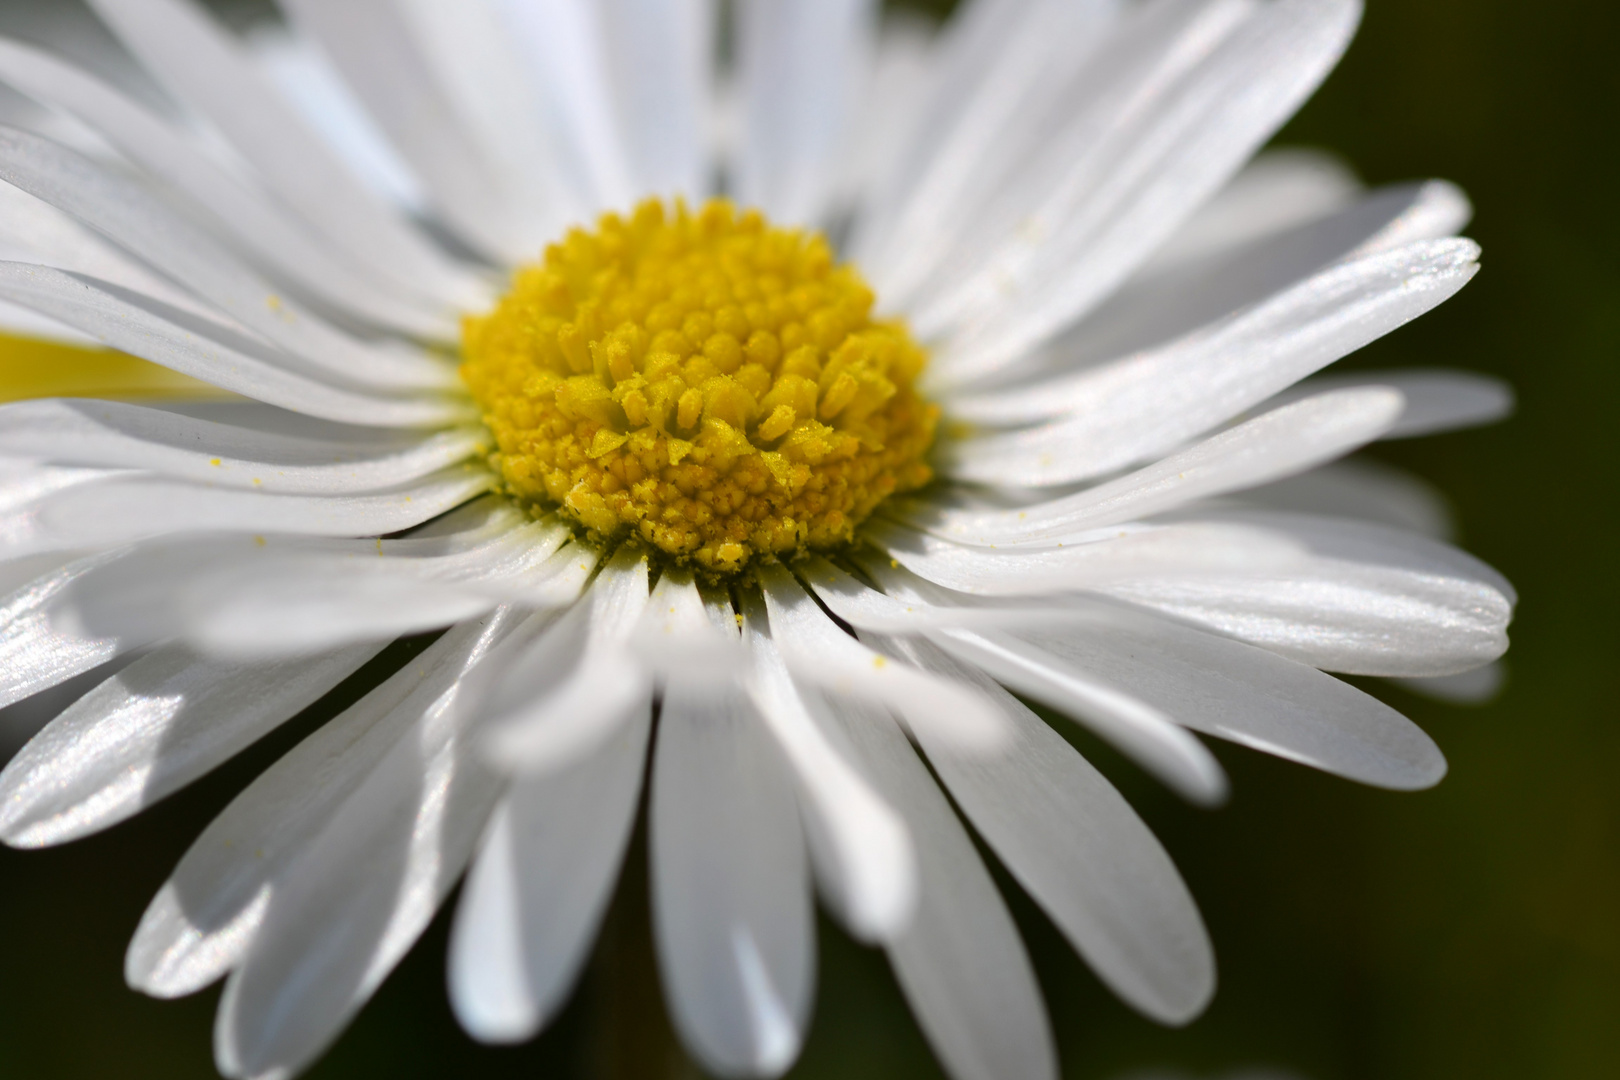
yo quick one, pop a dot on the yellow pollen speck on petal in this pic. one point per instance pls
(702, 380)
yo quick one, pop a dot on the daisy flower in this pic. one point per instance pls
(526, 328)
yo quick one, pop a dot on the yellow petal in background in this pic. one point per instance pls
(32, 368)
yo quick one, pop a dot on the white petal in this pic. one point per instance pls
(1478, 687)
(802, 65)
(1280, 189)
(1103, 418)
(199, 63)
(1120, 554)
(356, 898)
(139, 221)
(122, 510)
(305, 79)
(313, 603)
(74, 32)
(205, 918)
(564, 46)
(24, 322)
(1054, 85)
(34, 231)
(661, 57)
(1076, 845)
(148, 731)
(494, 92)
(859, 846)
(1001, 73)
(282, 243)
(1280, 443)
(961, 963)
(372, 44)
(731, 884)
(1248, 695)
(1436, 400)
(1123, 196)
(819, 652)
(904, 69)
(245, 598)
(1135, 409)
(1160, 314)
(35, 654)
(680, 636)
(577, 683)
(151, 330)
(1360, 488)
(1134, 727)
(540, 886)
(118, 435)
(1367, 601)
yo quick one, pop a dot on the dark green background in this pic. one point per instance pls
(1471, 931)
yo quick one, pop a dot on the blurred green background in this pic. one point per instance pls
(1471, 931)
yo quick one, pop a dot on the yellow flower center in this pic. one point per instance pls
(710, 383)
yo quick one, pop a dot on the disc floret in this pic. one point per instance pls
(710, 383)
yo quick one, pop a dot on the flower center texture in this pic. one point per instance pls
(704, 380)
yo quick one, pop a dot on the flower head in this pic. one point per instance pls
(674, 477)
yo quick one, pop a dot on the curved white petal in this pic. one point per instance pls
(207, 915)
(1248, 695)
(1075, 844)
(35, 654)
(270, 235)
(961, 963)
(802, 65)
(493, 89)
(314, 603)
(1136, 728)
(246, 598)
(202, 66)
(148, 328)
(1276, 444)
(1437, 400)
(1088, 219)
(1145, 405)
(1159, 307)
(115, 434)
(373, 45)
(817, 651)
(1001, 77)
(563, 43)
(34, 231)
(141, 222)
(1367, 600)
(148, 731)
(859, 846)
(731, 884)
(121, 510)
(1120, 554)
(1480, 686)
(905, 67)
(684, 636)
(1364, 489)
(577, 683)
(1279, 189)
(356, 898)
(540, 886)
(660, 56)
